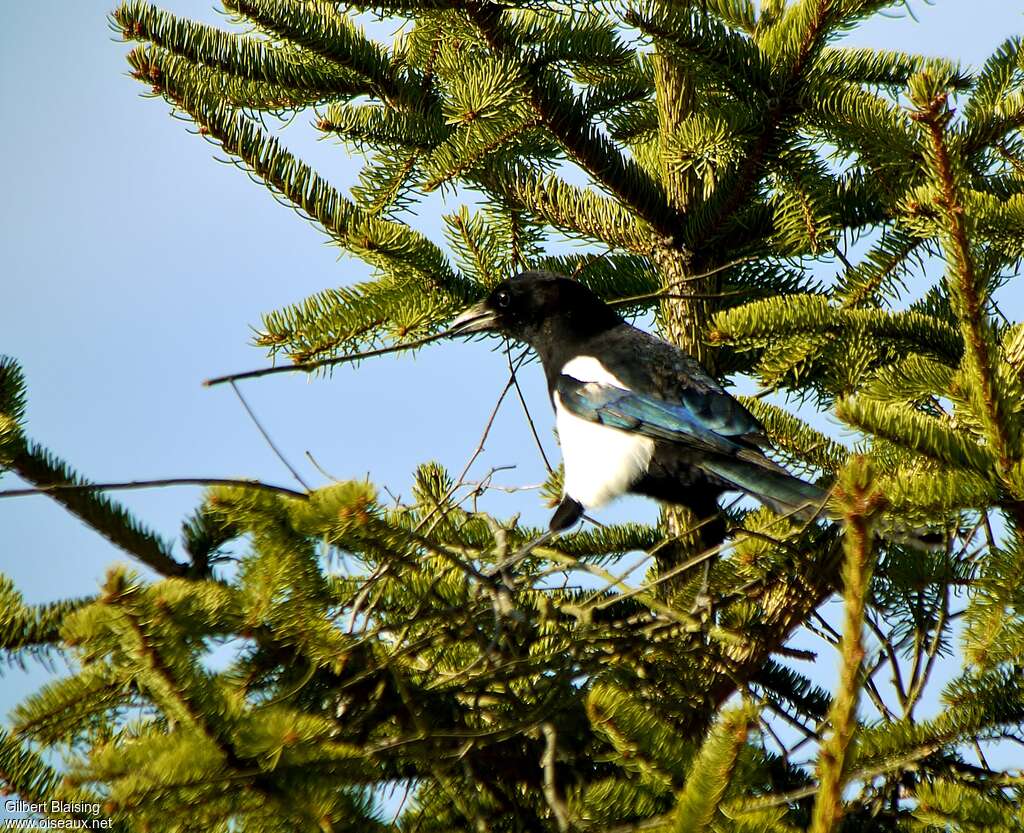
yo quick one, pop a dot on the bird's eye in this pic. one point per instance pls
(503, 298)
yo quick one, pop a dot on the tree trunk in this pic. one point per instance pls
(685, 312)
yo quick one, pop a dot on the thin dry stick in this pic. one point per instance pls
(315, 463)
(266, 436)
(842, 256)
(476, 452)
(154, 484)
(309, 366)
(767, 727)
(619, 580)
(890, 652)
(583, 265)
(872, 689)
(941, 619)
(701, 296)
(647, 585)
(490, 420)
(665, 610)
(654, 296)
(779, 711)
(306, 367)
(833, 636)
(526, 409)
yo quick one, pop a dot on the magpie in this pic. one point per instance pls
(634, 413)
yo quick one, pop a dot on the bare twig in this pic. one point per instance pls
(154, 484)
(875, 694)
(890, 651)
(526, 409)
(661, 293)
(460, 480)
(266, 436)
(583, 265)
(306, 367)
(315, 463)
(941, 618)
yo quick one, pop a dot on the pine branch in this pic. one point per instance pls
(30, 629)
(926, 493)
(560, 113)
(861, 501)
(152, 484)
(885, 67)
(64, 710)
(933, 114)
(393, 247)
(150, 63)
(765, 323)
(914, 379)
(801, 444)
(12, 407)
(879, 273)
(34, 464)
(709, 777)
(587, 42)
(375, 645)
(641, 737)
(914, 430)
(575, 211)
(483, 137)
(783, 606)
(808, 700)
(323, 29)
(796, 41)
(691, 35)
(994, 632)
(383, 128)
(237, 55)
(25, 774)
(359, 316)
(997, 79)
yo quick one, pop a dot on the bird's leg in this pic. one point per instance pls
(569, 511)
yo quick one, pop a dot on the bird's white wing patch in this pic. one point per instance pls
(601, 463)
(589, 369)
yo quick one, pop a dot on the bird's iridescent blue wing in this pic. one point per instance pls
(646, 415)
(651, 367)
(741, 466)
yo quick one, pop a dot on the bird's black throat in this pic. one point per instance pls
(560, 340)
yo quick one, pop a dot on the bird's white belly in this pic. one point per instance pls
(601, 463)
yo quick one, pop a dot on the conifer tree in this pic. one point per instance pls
(718, 157)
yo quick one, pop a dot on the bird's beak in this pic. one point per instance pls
(477, 319)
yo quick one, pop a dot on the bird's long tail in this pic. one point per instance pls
(787, 495)
(780, 491)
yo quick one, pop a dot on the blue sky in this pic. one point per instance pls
(135, 265)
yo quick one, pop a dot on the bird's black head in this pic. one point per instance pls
(538, 306)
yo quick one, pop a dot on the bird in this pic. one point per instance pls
(634, 413)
